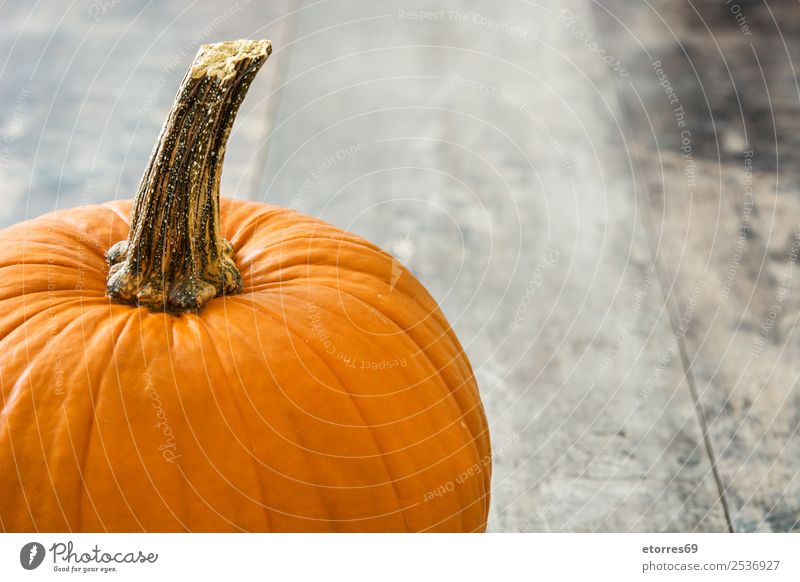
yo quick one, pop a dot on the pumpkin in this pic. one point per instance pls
(185, 363)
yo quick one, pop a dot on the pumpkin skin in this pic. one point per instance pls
(256, 413)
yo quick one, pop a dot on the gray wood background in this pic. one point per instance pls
(603, 196)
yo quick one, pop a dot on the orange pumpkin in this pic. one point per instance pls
(231, 366)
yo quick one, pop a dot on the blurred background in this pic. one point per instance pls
(603, 196)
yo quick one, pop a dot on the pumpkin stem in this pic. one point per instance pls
(174, 258)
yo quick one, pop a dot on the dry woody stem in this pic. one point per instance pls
(174, 258)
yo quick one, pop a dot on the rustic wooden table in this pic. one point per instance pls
(602, 195)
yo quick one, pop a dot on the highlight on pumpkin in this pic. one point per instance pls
(185, 362)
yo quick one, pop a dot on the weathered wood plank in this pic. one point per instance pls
(713, 107)
(86, 87)
(479, 142)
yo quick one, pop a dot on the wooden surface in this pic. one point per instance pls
(725, 213)
(537, 190)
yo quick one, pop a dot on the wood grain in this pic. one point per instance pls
(712, 106)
